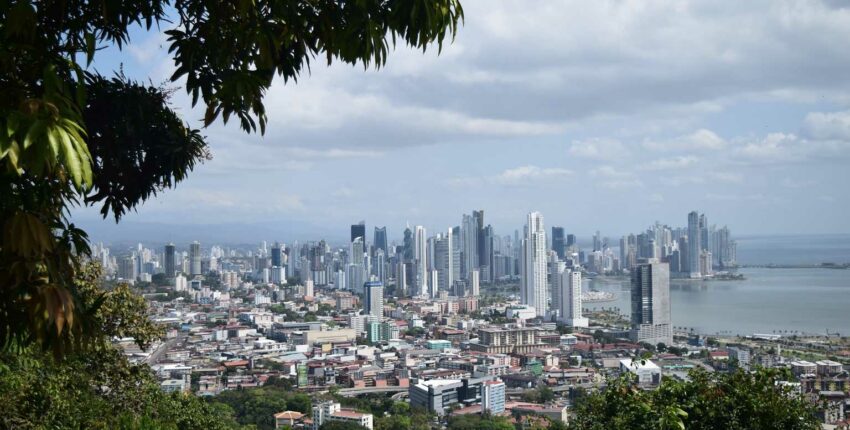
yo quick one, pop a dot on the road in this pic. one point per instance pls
(164, 347)
(349, 392)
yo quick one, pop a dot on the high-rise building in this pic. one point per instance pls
(356, 275)
(493, 397)
(358, 230)
(478, 221)
(571, 240)
(533, 285)
(559, 242)
(374, 299)
(469, 246)
(474, 284)
(651, 321)
(420, 239)
(380, 241)
(597, 241)
(195, 258)
(127, 268)
(170, 271)
(694, 244)
(444, 259)
(277, 255)
(569, 295)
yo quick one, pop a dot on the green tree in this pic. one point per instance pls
(708, 401)
(479, 422)
(341, 425)
(71, 136)
(95, 386)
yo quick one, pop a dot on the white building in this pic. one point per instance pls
(533, 285)
(331, 411)
(569, 294)
(420, 249)
(493, 397)
(647, 372)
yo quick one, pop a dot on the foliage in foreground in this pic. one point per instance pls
(708, 401)
(97, 387)
(70, 136)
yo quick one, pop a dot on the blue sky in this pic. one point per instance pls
(601, 115)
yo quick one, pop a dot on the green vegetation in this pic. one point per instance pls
(257, 406)
(715, 401)
(341, 425)
(479, 422)
(95, 387)
(72, 136)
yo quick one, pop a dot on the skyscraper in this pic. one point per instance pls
(358, 230)
(651, 320)
(420, 239)
(444, 260)
(374, 299)
(277, 255)
(694, 244)
(380, 241)
(559, 242)
(356, 275)
(195, 258)
(470, 246)
(569, 295)
(533, 287)
(170, 272)
(478, 220)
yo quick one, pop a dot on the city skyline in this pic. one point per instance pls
(708, 120)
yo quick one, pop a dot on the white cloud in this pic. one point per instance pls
(525, 174)
(701, 139)
(598, 149)
(672, 163)
(522, 175)
(827, 125)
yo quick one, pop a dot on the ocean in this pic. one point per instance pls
(804, 300)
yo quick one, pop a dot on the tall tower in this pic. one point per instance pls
(195, 258)
(358, 230)
(380, 240)
(651, 321)
(533, 291)
(569, 289)
(375, 299)
(277, 255)
(170, 272)
(356, 275)
(470, 246)
(444, 260)
(421, 255)
(694, 244)
(559, 242)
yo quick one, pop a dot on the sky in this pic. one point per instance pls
(601, 115)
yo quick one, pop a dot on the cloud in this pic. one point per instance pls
(522, 175)
(827, 125)
(598, 149)
(672, 163)
(699, 140)
(525, 174)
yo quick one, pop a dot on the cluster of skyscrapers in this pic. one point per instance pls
(695, 251)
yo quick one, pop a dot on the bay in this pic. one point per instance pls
(809, 300)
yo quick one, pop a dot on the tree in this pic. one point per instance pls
(96, 386)
(479, 422)
(341, 425)
(708, 401)
(72, 136)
